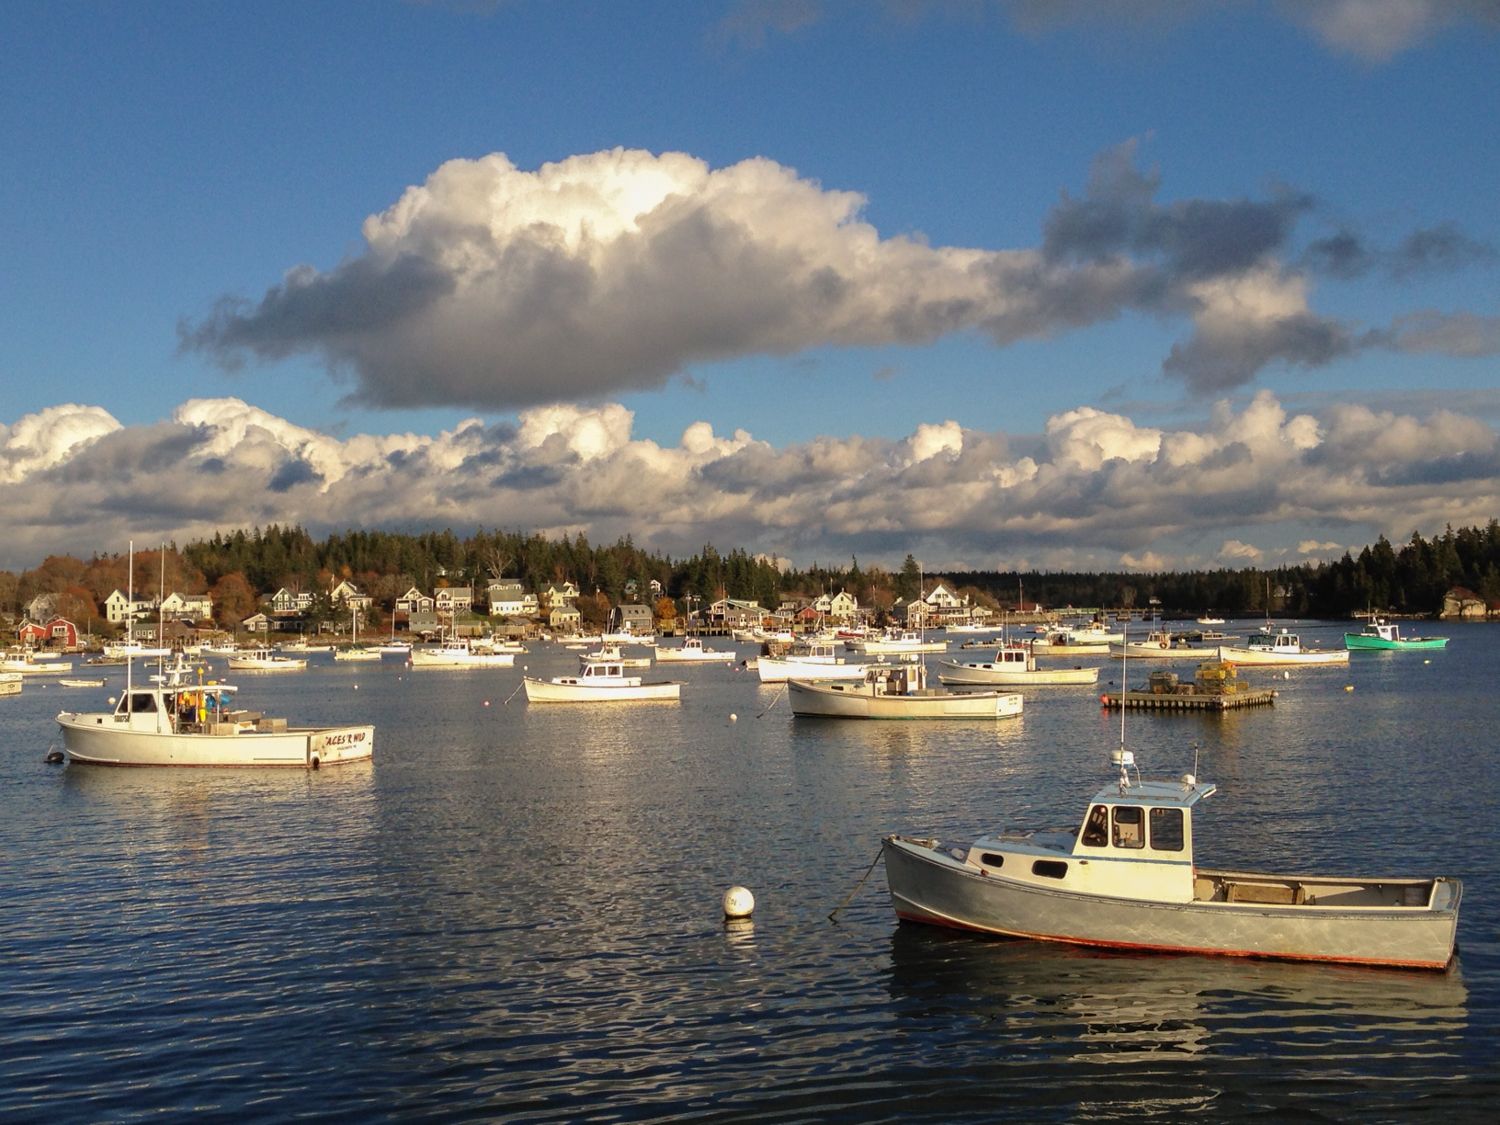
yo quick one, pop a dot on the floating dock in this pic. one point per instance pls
(1215, 687)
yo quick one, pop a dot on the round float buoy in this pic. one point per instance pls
(486, 702)
(738, 903)
(733, 718)
(54, 756)
(1348, 687)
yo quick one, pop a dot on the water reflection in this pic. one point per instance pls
(1099, 1008)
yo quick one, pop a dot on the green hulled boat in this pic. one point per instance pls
(1384, 636)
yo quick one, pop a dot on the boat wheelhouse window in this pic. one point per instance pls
(1096, 830)
(1130, 827)
(990, 859)
(142, 702)
(1166, 830)
(1050, 868)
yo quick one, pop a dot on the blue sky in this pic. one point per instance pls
(1158, 214)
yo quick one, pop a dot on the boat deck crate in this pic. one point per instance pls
(1274, 894)
(271, 726)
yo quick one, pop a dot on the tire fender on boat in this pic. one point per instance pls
(312, 762)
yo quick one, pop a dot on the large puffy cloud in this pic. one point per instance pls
(1095, 490)
(493, 287)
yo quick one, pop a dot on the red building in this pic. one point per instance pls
(57, 633)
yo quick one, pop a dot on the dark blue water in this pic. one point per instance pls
(515, 912)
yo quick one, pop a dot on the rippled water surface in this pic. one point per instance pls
(514, 911)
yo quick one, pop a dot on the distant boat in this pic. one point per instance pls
(24, 662)
(692, 651)
(1384, 636)
(264, 660)
(1013, 665)
(816, 660)
(1161, 644)
(461, 653)
(1280, 648)
(897, 691)
(896, 642)
(10, 683)
(1210, 619)
(601, 682)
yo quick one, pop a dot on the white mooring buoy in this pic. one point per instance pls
(738, 902)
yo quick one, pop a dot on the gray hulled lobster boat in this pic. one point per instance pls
(1126, 879)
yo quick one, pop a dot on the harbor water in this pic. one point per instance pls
(514, 911)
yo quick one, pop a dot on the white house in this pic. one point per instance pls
(117, 607)
(414, 601)
(560, 593)
(195, 607)
(453, 599)
(508, 598)
(347, 594)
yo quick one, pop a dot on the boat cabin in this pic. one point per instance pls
(1274, 642)
(1136, 842)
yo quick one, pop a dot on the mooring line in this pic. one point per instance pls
(833, 917)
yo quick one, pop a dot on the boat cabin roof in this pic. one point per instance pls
(1166, 794)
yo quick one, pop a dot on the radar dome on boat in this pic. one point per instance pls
(1122, 757)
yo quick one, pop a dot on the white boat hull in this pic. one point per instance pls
(424, 659)
(859, 701)
(928, 885)
(1155, 650)
(267, 663)
(98, 739)
(692, 656)
(773, 670)
(1236, 655)
(984, 675)
(551, 691)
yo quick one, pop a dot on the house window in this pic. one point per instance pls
(1166, 830)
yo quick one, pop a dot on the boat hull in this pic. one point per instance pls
(546, 691)
(98, 740)
(927, 885)
(420, 659)
(1231, 655)
(857, 701)
(979, 675)
(774, 671)
(688, 656)
(1359, 642)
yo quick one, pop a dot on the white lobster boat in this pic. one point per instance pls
(1162, 644)
(25, 662)
(818, 660)
(1012, 666)
(178, 722)
(897, 691)
(600, 681)
(264, 660)
(897, 642)
(692, 652)
(1127, 879)
(1280, 648)
(463, 654)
